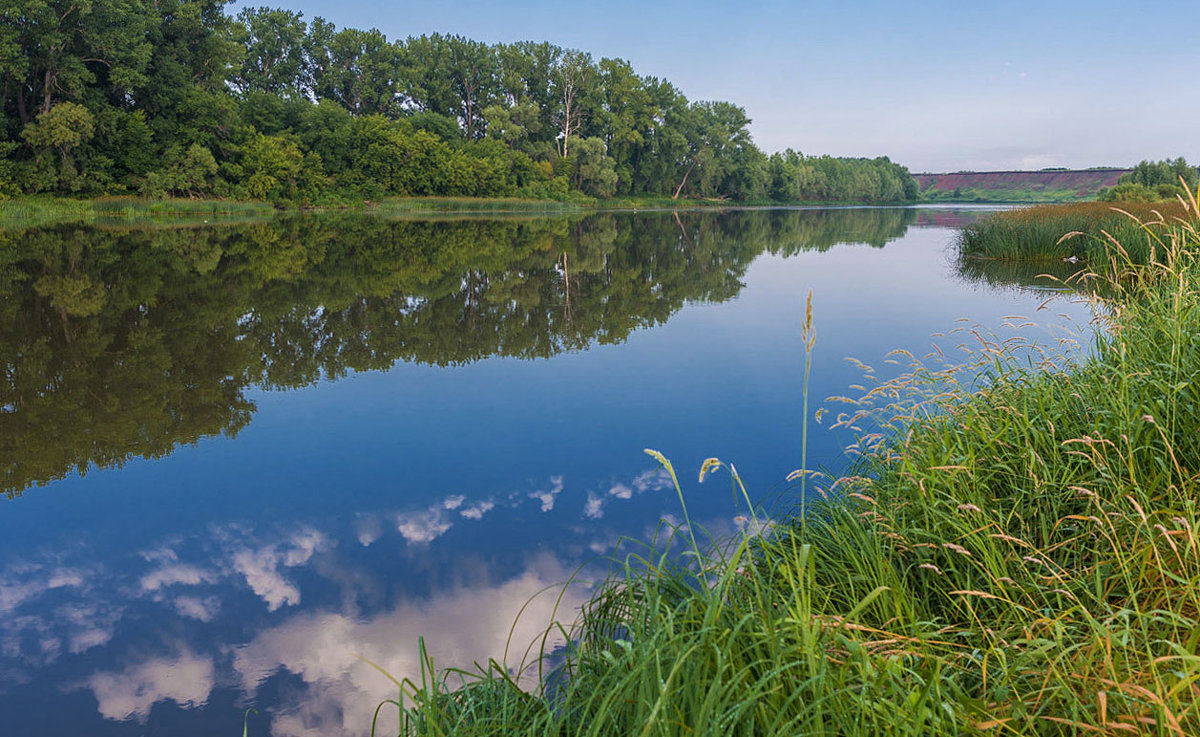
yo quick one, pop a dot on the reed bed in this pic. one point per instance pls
(1087, 231)
(1012, 556)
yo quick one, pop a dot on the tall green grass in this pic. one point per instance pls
(1094, 232)
(1014, 557)
(26, 211)
(399, 205)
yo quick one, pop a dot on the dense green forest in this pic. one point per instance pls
(177, 98)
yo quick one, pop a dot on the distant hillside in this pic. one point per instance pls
(1053, 185)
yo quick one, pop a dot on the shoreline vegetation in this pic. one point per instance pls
(1088, 232)
(1019, 555)
(1138, 192)
(41, 209)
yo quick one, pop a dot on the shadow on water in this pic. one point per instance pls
(1048, 276)
(122, 342)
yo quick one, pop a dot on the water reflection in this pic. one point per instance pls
(1041, 276)
(182, 618)
(428, 480)
(119, 343)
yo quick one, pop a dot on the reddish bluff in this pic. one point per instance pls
(1085, 182)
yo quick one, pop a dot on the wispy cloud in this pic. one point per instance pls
(202, 609)
(175, 574)
(477, 510)
(423, 526)
(129, 694)
(652, 480)
(594, 507)
(547, 496)
(261, 567)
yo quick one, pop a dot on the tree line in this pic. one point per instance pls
(1151, 181)
(177, 98)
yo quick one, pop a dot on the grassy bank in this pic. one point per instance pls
(1037, 233)
(41, 210)
(44, 210)
(1018, 559)
(57, 208)
(1014, 196)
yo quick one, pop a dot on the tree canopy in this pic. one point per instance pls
(1154, 180)
(178, 98)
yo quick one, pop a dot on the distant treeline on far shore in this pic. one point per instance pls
(176, 98)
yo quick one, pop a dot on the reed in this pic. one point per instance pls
(1015, 556)
(1087, 231)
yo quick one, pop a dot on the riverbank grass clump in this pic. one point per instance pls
(1093, 232)
(1014, 557)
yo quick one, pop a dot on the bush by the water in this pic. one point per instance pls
(1018, 559)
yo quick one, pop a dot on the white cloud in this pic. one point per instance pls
(14, 593)
(454, 501)
(186, 680)
(194, 607)
(89, 625)
(164, 553)
(175, 574)
(302, 546)
(476, 511)
(547, 497)
(423, 526)
(594, 508)
(621, 491)
(261, 567)
(459, 626)
(655, 480)
(369, 530)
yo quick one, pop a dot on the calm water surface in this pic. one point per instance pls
(238, 457)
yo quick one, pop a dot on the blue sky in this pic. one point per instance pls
(937, 86)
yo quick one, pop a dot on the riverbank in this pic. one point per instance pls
(41, 210)
(1022, 558)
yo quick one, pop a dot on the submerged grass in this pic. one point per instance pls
(1021, 558)
(1087, 231)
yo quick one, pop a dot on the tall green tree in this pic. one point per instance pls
(276, 58)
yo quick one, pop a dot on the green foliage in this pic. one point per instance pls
(1168, 172)
(159, 76)
(1153, 181)
(61, 129)
(595, 172)
(191, 174)
(274, 168)
(794, 177)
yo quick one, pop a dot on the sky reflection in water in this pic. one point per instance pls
(314, 439)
